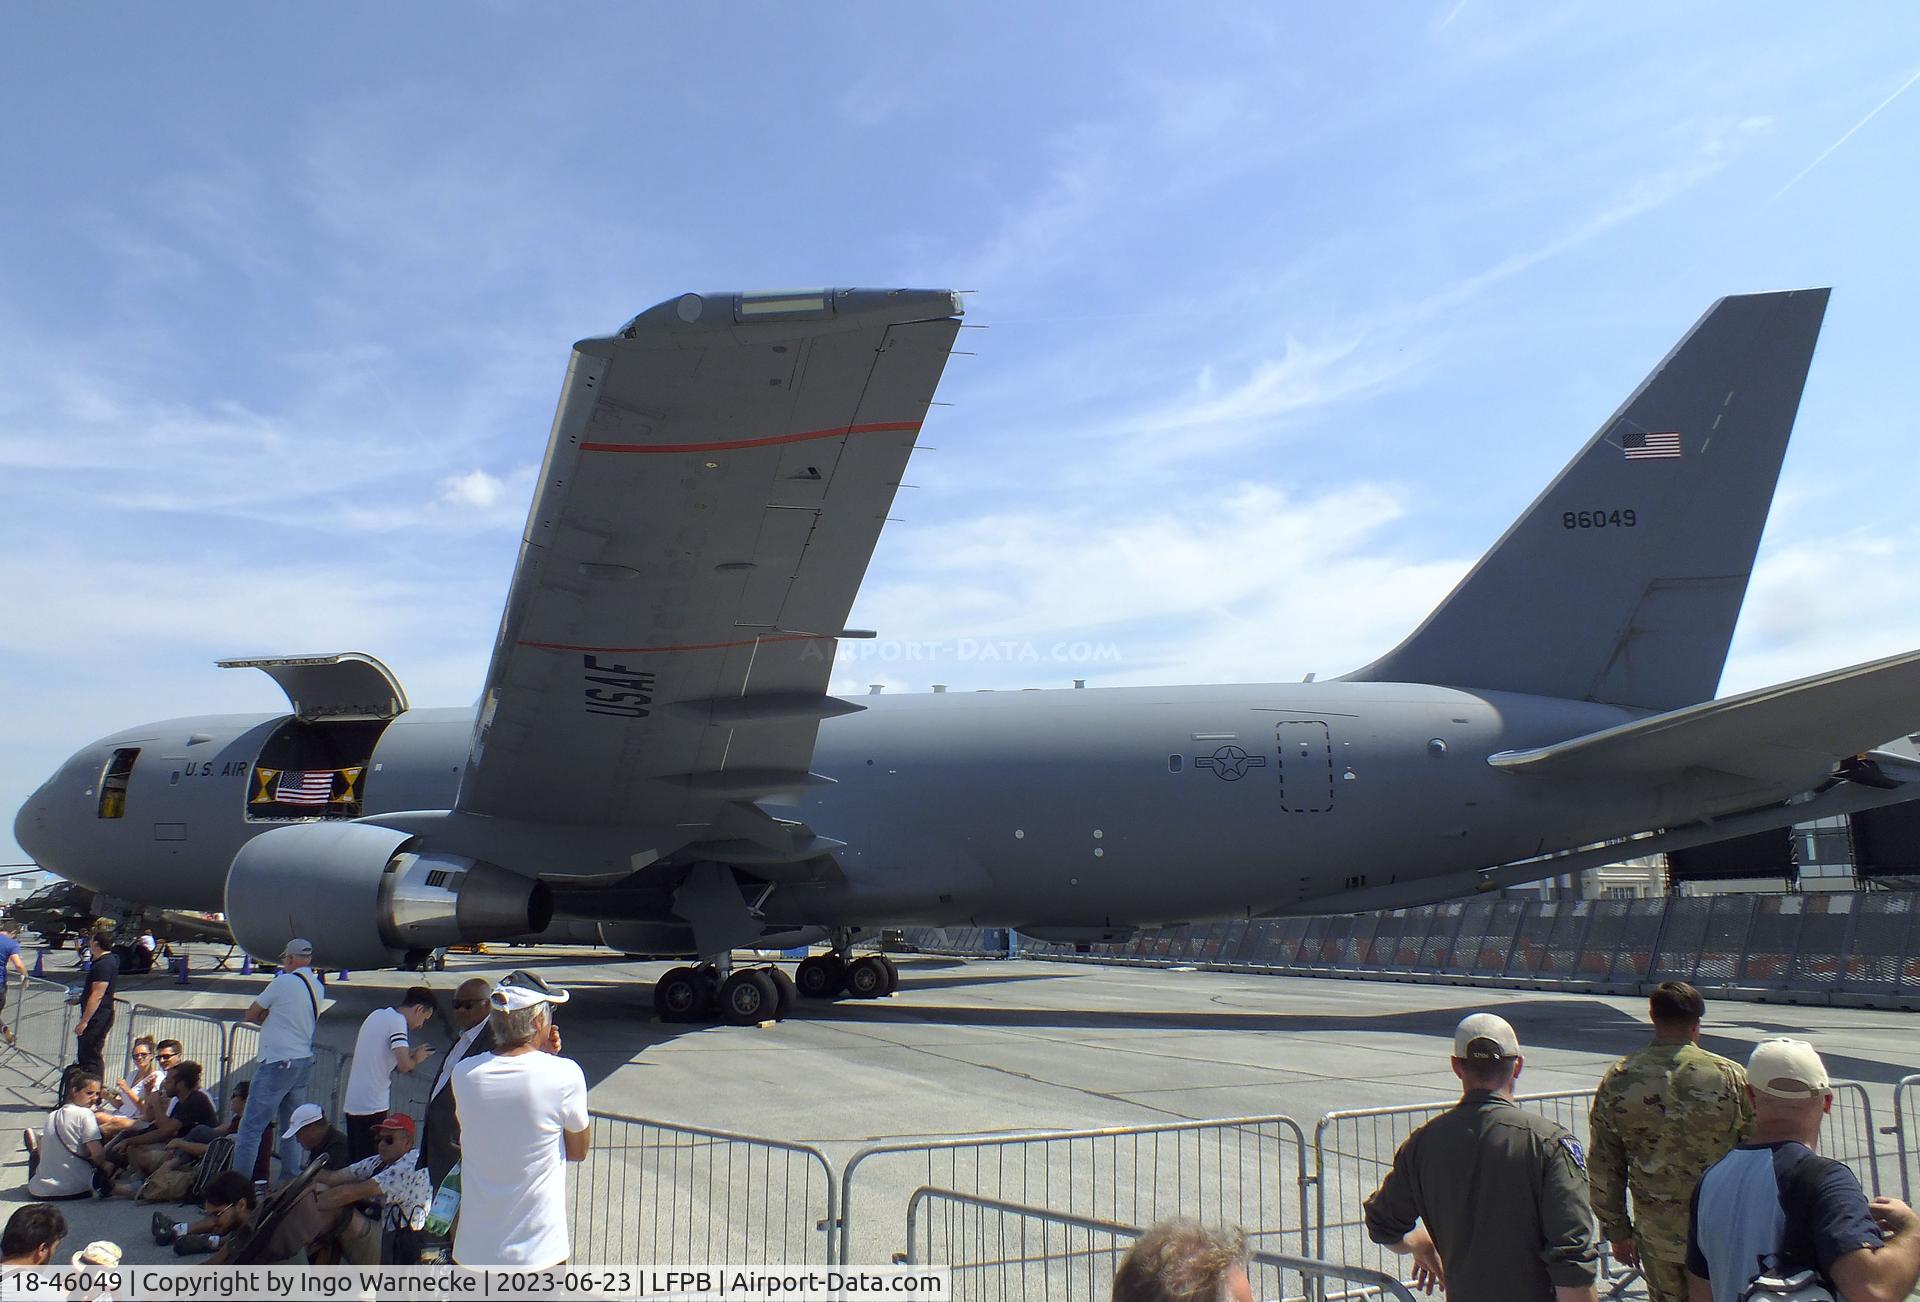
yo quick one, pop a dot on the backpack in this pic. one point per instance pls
(1775, 1285)
(217, 1158)
(1790, 1275)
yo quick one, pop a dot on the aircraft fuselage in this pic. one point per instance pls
(1102, 807)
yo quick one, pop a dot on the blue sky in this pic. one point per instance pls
(1291, 309)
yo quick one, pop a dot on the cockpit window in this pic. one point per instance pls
(113, 783)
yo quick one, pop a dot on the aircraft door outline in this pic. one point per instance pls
(1305, 748)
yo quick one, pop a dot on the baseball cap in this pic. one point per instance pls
(297, 948)
(524, 989)
(399, 1121)
(1484, 1035)
(303, 1116)
(1787, 1069)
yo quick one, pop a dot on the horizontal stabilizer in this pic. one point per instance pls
(1795, 730)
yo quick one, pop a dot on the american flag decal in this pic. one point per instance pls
(1640, 446)
(304, 787)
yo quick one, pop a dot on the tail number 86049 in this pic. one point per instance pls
(1616, 519)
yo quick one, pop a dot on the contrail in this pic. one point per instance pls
(1843, 139)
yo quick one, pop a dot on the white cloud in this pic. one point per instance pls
(475, 488)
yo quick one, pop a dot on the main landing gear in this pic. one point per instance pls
(826, 976)
(717, 991)
(739, 997)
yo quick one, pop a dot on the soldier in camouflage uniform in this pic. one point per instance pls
(1661, 1117)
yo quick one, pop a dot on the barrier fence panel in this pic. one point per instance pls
(1822, 946)
(42, 1024)
(202, 1039)
(653, 1192)
(1354, 1150)
(325, 1086)
(1906, 1132)
(999, 1252)
(1246, 1171)
(1848, 1134)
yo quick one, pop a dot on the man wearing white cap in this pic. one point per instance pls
(318, 1139)
(1773, 1206)
(531, 1105)
(1489, 1198)
(286, 1012)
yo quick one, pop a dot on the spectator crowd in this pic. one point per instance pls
(278, 1180)
(1702, 1175)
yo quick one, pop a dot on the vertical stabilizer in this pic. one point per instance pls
(1622, 582)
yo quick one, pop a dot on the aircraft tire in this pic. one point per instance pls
(867, 977)
(783, 989)
(747, 998)
(681, 995)
(893, 973)
(819, 977)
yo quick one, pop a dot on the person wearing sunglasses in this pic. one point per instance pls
(531, 1104)
(440, 1134)
(375, 1208)
(147, 1076)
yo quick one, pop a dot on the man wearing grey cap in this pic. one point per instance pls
(287, 1012)
(1489, 1198)
(1773, 1206)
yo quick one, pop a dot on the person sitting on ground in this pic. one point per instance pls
(66, 1159)
(32, 1236)
(171, 1180)
(392, 1177)
(132, 1111)
(145, 1150)
(1184, 1261)
(229, 1203)
(317, 1138)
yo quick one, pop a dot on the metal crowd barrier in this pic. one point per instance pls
(1844, 946)
(1000, 1251)
(1848, 1134)
(203, 1039)
(653, 1192)
(1247, 1171)
(1906, 1133)
(1352, 1152)
(42, 1023)
(324, 1087)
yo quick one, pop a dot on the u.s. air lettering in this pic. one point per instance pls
(617, 689)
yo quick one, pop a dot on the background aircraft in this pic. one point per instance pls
(655, 763)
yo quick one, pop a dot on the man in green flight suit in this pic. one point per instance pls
(1489, 1198)
(1661, 1117)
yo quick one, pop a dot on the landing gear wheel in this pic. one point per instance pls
(893, 973)
(784, 993)
(867, 977)
(748, 998)
(681, 995)
(819, 977)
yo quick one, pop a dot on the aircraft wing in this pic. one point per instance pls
(716, 480)
(1792, 731)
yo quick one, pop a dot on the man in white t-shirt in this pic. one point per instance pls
(286, 1012)
(530, 1104)
(379, 1050)
(64, 1161)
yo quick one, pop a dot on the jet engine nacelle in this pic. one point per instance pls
(369, 896)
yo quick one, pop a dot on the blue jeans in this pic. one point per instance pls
(278, 1088)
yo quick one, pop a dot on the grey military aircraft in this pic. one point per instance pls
(655, 764)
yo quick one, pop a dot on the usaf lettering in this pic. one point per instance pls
(623, 692)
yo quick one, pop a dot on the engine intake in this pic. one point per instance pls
(369, 896)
